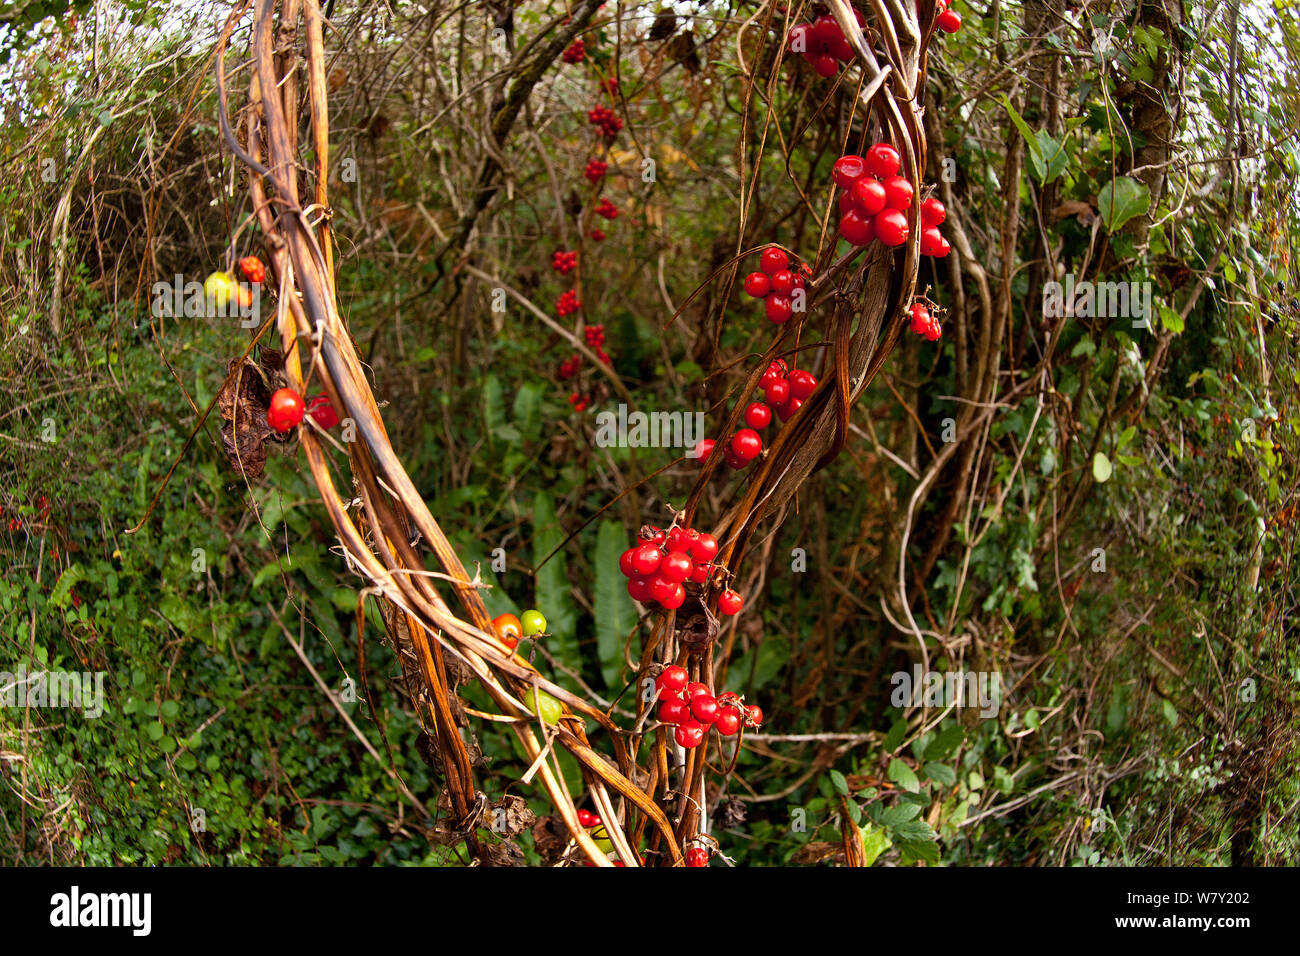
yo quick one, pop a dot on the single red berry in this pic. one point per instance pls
(676, 567)
(747, 444)
(730, 602)
(679, 540)
(932, 212)
(754, 715)
(661, 589)
(855, 226)
(704, 708)
(689, 734)
(777, 393)
(695, 689)
(646, 560)
(705, 548)
(757, 415)
(773, 372)
(696, 855)
(868, 195)
(920, 318)
(802, 383)
(286, 410)
(774, 260)
(700, 573)
(801, 38)
(890, 227)
(675, 598)
(898, 193)
(826, 65)
(672, 679)
(728, 721)
(792, 405)
(848, 170)
(252, 268)
(949, 21)
(757, 284)
(704, 448)
(674, 711)
(784, 282)
(778, 308)
(625, 563)
(320, 409)
(638, 589)
(732, 459)
(882, 160)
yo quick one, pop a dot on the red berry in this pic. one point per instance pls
(791, 406)
(679, 540)
(689, 734)
(661, 589)
(898, 193)
(754, 715)
(732, 459)
(646, 560)
(588, 819)
(700, 573)
(705, 548)
(890, 227)
(777, 370)
(932, 242)
(882, 160)
(286, 410)
(638, 589)
(856, 227)
(773, 260)
(801, 38)
(778, 392)
(802, 383)
(625, 562)
(507, 629)
(252, 268)
(779, 308)
(920, 318)
(949, 21)
(674, 711)
(320, 409)
(675, 598)
(704, 708)
(746, 444)
(695, 689)
(730, 602)
(672, 679)
(704, 448)
(757, 415)
(868, 195)
(825, 65)
(932, 212)
(758, 284)
(676, 567)
(696, 856)
(728, 721)
(848, 170)
(784, 282)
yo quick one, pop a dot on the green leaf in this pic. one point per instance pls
(947, 740)
(1101, 468)
(1036, 165)
(169, 709)
(1171, 319)
(919, 851)
(154, 730)
(1120, 200)
(494, 405)
(552, 583)
(528, 411)
(615, 613)
(897, 731)
(60, 594)
(941, 773)
(1055, 158)
(903, 775)
(839, 783)
(874, 841)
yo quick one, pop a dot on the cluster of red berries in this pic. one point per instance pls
(607, 210)
(604, 119)
(948, 20)
(597, 235)
(575, 53)
(595, 170)
(822, 44)
(923, 323)
(564, 262)
(785, 390)
(595, 336)
(568, 303)
(659, 567)
(578, 401)
(252, 268)
(569, 367)
(780, 286)
(876, 198)
(692, 710)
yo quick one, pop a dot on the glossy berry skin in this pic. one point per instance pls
(321, 411)
(676, 567)
(868, 196)
(778, 393)
(646, 560)
(638, 589)
(588, 819)
(508, 629)
(730, 602)
(700, 573)
(789, 408)
(704, 448)
(779, 308)
(784, 282)
(704, 708)
(747, 444)
(932, 242)
(674, 711)
(777, 370)
(920, 318)
(697, 856)
(933, 212)
(825, 65)
(890, 227)
(856, 227)
(898, 193)
(949, 21)
(533, 622)
(801, 38)
(675, 599)
(754, 714)
(705, 548)
(728, 721)
(732, 459)
(696, 689)
(672, 679)
(882, 160)
(625, 562)
(286, 410)
(689, 734)
(757, 415)
(802, 383)
(661, 589)
(848, 170)
(757, 284)
(774, 260)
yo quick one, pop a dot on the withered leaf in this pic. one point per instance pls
(550, 838)
(730, 814)
(511, 816)
(818, 853)
(697, 628)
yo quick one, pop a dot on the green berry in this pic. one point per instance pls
(551, 709)
(534, 623)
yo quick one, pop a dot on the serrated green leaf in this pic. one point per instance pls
(839, 783)
(874, 841)
(941, 773)
(903, 775)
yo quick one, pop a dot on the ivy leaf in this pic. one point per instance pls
(1120, 200)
